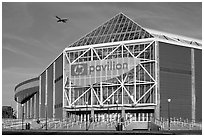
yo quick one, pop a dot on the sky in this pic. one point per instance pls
(32, 38)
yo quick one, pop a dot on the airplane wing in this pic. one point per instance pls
(58, 17)
(65, 19)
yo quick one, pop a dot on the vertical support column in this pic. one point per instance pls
(30, 109)
(25, 110)
(45, 87)
(81, 117)
(70, 86)
(34, 107)
(139, 116)
(147, 116)
(91, 53)
(135, 84)
(122, 91)
(54, 90)
(122, 79)
(43, 94)
(50, 91)
(46, 84)
(123, 113)
(143, 116)
(92, 114)
(40, 88)
(101, 93)
(92, 96)
(17, 109)
(34, 102)
(37, 106)
(193, 84)
(29, 106)
(21, 111)
(157, 89)
(63, 87)
(59, 87)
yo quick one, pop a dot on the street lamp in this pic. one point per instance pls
(86, 116)
(169, 100)
(46, 117)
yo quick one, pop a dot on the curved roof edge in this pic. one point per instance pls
(26, 89)
(25, 82)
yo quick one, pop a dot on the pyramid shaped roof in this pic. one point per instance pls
(118, 28)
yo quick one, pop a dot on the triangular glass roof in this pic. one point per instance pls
(118, 28)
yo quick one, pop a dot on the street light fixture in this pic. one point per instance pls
(169, 100)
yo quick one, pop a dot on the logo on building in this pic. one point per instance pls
(90, 72)
(89, 69)
(79, 69)
(108, 66)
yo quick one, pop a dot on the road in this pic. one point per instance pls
(75, 132)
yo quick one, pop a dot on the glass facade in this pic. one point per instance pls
(118, 28)
(122, 74)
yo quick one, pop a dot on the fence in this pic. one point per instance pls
(175, 124)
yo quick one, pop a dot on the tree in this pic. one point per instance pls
(8, 112)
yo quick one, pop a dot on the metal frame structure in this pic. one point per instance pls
(118, 40)
(134, 87)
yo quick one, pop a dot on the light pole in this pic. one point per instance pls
(169, 100)
(46, 117)
(86, 116)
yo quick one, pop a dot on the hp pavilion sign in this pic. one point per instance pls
(90, 72)
(106, 66)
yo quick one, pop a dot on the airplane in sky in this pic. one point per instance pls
(63, 20)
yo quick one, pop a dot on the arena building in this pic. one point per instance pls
(118, 71)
